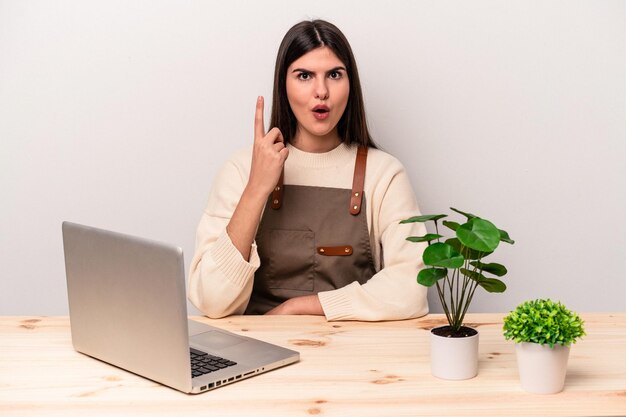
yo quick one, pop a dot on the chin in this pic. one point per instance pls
(323, 131)
(322, 134)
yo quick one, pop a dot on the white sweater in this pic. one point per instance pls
(220, 280)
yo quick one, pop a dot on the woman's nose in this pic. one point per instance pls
(321, 90)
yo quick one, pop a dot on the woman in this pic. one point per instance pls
(327, 241)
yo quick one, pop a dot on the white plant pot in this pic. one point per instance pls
(453, 358)
(542, 369)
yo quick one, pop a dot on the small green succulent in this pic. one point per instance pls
(544, 322)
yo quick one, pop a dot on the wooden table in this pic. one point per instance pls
(346, 369)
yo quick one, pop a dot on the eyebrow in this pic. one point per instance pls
(330, 70)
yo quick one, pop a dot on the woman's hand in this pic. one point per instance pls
(268, 156)
(307, 304)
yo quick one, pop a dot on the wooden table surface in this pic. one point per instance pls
(346, 369)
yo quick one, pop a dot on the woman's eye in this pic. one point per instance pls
(335, 75)
(304, 76)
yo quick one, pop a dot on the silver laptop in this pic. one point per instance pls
(128, 308)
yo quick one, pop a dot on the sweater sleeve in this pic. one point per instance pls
(220, 279)
(393, 292)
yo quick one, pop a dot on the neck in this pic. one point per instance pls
(306, 142)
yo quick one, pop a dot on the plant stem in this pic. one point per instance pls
(459, 299)
(473, 287)
(442, 300)
(468, 298)
(452, 282)
(471, 296)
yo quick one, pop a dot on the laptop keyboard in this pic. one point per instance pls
(202, 363)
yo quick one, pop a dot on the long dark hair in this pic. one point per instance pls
(300, 39)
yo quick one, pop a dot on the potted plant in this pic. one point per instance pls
(455, 266)
(543, 331)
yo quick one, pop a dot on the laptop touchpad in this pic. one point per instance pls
(216, 340)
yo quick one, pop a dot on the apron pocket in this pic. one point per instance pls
(292, 260)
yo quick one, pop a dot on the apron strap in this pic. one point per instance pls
(358, 180)
(277, 194)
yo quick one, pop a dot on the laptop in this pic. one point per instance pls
(128, 308)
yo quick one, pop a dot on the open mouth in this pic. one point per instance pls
(321, 112)
(320, 108)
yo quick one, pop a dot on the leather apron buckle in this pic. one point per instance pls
(345, 250)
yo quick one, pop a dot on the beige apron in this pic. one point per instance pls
(312, 239)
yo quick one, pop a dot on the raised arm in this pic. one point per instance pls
(268, 158)
(222, 271)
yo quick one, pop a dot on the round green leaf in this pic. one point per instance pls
(468, 215)
(429, 276)
(426, 238)
(493, 268)
(444, 255)
(451, 225)
(479, 234)
(504, 237)
(489, 284)
(465, 251)
(472, 275)
(492, 285)
(424, 218)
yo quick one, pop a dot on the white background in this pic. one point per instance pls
(118, 114)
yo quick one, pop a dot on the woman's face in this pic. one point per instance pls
(317, 89)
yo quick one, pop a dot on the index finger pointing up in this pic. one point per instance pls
(259, 124)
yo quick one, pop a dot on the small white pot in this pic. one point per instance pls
(454, 358)
(542, 369)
